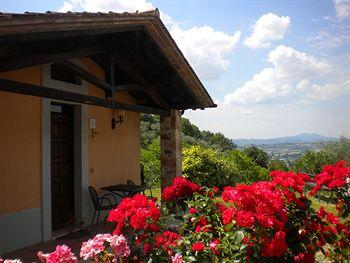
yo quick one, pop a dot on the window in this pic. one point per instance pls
(60, 73)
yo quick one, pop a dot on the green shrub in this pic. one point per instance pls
(312, 162)
(244, 169)
(150, 159)
(205, 167)
(208, 167)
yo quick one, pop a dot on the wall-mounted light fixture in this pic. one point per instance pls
(118, 119)
(93, 127)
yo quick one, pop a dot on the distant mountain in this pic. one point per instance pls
(300, 138)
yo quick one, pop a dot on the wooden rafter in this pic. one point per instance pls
(84, 74)
(35, 59)
(127, 67)
(45, 92)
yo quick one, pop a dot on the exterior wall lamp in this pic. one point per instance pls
(118, 119)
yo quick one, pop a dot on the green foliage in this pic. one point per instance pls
(150, 158)
(259, 156)
(149, 129)
(245, 170)
(279, 165)
(339, 149)
(207, 167)
(190, 129)
(312, 162)
(191, 135)
(231, 247)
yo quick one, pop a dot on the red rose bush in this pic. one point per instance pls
(266, 221)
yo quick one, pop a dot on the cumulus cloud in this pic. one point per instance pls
(267, 28)
(292, 71)
(205, 47)
(342, 8)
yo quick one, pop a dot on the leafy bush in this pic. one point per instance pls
(205, 167)
(150, 159)
(259, 156)
(312, 162)
(244, 169)
(208, 167)
(267, 221)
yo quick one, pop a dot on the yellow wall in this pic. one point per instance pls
(20, 143)
(114, 155)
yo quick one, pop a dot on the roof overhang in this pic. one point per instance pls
(16, 29)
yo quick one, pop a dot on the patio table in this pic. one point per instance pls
(124, 190)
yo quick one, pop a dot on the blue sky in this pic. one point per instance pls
(275, 68)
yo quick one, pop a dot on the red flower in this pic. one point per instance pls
(181, 188)
(332, 218)
(198, 246)
(166, 241)
(202, 225)
(332, 176)
(139, 212)
(228, 215)
(276, 247)
(193, 210)
(245, 219)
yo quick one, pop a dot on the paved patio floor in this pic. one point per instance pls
(74, 241)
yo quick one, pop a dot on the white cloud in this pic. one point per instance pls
(328, 40)
(205, 48)
(330, 90)
(268, 27)
(118, 6)
(342, 8)
(292, 72)
(67, 6)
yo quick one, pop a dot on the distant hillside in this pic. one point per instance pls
(300, 138)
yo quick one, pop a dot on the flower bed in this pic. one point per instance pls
(268, 221)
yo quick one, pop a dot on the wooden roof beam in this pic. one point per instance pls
(89, 77)
(45, 92)
(128, 68)
(39, 59)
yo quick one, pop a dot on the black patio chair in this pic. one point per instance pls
(101, 203)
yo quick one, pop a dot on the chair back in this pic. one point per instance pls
(130, 182)
(94, 197)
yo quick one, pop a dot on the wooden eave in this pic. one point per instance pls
(43, 26)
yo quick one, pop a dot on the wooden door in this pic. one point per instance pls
(62, 165)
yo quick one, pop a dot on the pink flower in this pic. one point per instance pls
(213, 244)
(119, 245)
(177, 258)
(94, 246)
(62, 254)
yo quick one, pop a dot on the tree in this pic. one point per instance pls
(312, 162)
(258, 155)
(339, 149)
(277, 165)
(189, 129)
(150, 159)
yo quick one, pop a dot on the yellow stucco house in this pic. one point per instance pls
(72, 87)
